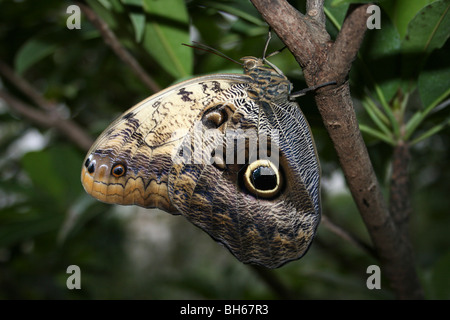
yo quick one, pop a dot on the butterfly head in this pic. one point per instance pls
(252, 64)
(270, 83)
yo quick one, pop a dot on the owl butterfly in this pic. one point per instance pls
(230, 152)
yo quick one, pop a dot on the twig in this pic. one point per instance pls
(314, 8)
(275, 284)
(48, 116)
(324, 61)
(112, 41)
(343, 52)
(49, 120)
(340, 232)
(25, 87)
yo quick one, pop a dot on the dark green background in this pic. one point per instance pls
(47, 221)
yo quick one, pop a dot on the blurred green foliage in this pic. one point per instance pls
(400, 84)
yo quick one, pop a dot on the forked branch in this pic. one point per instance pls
(323, 60)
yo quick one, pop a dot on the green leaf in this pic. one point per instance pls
(32, 51)
(116, 5)
(241, 9)
(138, 21)
(104, 3)
(166, 29)
(434, 87)
(137, 18)
(25, 226)
(420, 116)
(377, 134)
(54, 173)
(335, 17)
(413, 123)
(133, 2)
(39, 167)
(434, 79)
(104, 9)
(381, 54)
(378, 67)
(427, 31)
(431, 132)
(402, 12)
(376, 115)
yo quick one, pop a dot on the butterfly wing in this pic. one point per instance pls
(131, 160)
(266, 231)
(163, 153)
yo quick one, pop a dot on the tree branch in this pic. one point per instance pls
(343, 52)
(294, 29)
(399, 204)
(112, 41)
(47, 120)
(48, 116)
(340, 232)
(273, 282)
(25, 87)
(323, 61)
(314, 8)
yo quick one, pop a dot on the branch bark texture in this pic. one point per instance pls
(323, 60)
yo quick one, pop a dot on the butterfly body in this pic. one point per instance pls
(229, 152)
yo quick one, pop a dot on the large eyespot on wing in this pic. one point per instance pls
(263, 179)
(264, 231)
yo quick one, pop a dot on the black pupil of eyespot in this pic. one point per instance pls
(118, 170)
(264, 178)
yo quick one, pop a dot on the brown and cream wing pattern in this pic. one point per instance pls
(189, 150)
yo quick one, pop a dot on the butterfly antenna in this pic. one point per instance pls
(276, 52)
(264, 57)
(204, 47)
(266, 45)
(304, 91)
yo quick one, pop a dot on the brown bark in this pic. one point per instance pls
(399, 200)
(322, 61)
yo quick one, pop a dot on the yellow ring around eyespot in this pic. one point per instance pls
(248, 182)
(118, 166)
